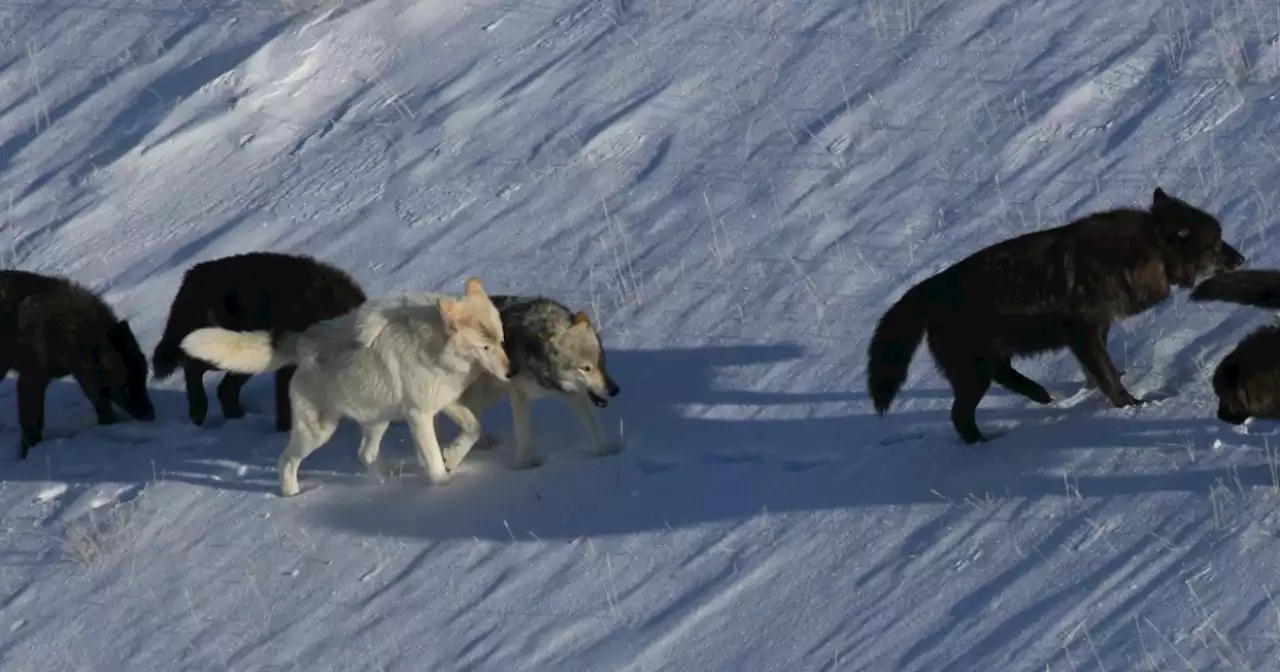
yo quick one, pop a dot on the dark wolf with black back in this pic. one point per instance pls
(255, 291)
(1040, 292)
(51, 327)
(1247, 380)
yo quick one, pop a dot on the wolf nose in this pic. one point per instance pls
(613, 388)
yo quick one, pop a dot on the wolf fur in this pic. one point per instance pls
(404, 358)
(265, 291)
(1040, 292)
(1250, 287)
(51, 327)
(554, 352)
(1247, 380)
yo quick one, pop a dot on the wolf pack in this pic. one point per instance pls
(337, 354)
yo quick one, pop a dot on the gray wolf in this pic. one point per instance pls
(553, 352)
(1247, 380)
(257, 291)
(1041, 292)
(51, 327)
(404, 358)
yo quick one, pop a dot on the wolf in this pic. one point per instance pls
(553, 352)
(1041, 292)
(1247, 380)
(52, 327)
(404, 358)
(249, 292)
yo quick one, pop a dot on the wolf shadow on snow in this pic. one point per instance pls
(675, 471)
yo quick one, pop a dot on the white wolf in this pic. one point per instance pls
(404, 358)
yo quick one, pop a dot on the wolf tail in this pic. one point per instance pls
(241, 351)
(184, 318)
(894, 342)
(1254, 287)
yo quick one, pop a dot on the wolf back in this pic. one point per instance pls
(255, 291)
(1040, 292)
(1247, 380)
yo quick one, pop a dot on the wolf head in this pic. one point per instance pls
(474, 330)
(1191, 241)
(575, 361)
(118, 366)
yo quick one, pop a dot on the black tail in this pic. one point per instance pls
(185, 316)
(894, 342)
(1260, 288)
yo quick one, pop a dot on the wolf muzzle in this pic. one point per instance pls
(611, 388)
(1229, 257)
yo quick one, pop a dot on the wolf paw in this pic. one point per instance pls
(453, 456)
(439, 478)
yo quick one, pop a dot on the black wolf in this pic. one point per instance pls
(1247, 380)
(256, 291)
(51, 327)
(1040, 292)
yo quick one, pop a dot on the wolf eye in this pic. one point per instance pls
(586, 368)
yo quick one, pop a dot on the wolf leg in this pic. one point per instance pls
(965, 365)
(97, 396)
(423, 427)
(371, 441)
(1011, 379)
(1088, 343)
(477, 398)
(525, 458)
(469, 433)
(197, 402)
(229, 394)
(579, 404)
(31, 390)
(969, 388)
(283, 378)
(311, 429)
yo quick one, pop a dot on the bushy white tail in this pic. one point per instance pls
(238, 351)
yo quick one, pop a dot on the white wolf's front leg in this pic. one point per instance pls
(582, 409)
(469, 433)
(371, 442)
(525, 457)
(423, 427)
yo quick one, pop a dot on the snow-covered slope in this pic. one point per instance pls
(735, 190)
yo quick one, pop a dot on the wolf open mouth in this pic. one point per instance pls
(597, 399)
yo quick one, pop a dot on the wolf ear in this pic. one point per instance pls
(474, 288)
(580, 317)
(1159, 196)
(449, 311)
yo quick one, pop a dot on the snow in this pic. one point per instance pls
(734, 190)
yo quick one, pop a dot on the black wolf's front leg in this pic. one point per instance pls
(31, 389)
(1089, 344)
(101, 403)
